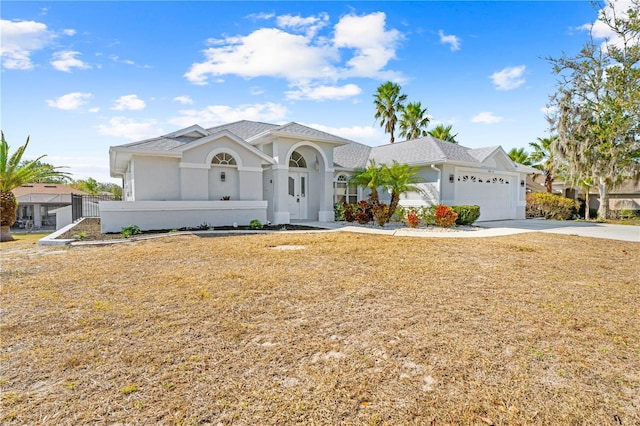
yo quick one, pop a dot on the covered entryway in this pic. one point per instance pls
(298, 183)
(493, 192)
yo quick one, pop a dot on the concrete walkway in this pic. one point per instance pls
(583, 229)
(502, 227)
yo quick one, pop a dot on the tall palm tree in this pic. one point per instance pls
(443, 132)
(388, 102)
(542, 157)
(14, 174)
(400, 179)
(372, 178)
(413, 121)
(520, 156)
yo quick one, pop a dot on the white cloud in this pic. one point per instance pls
(131, 129)
(129, 102)
(184, 100)
(69, 32)
(600, 30)
(94, 109)
(298, 58)
(260, 16)
(255, 90)
(214, 115)
(70, 101)
(508, 78)
(117, 59)
(19, 40)
(309, 25)
(65, 60)
(374, 45)
(265, 52)
(321, 93)
(451, 40)
(487, 118)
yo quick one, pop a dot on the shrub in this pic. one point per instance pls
(629, 213)
(380, 213)
(551, 206)
(445, 216)
(338, 212)
(255, 224)
(364, 214)
(428, 214)
(349, 212)
(80, 235)
(467, 215)
(399, 214)
(130, 230)
(413, 220)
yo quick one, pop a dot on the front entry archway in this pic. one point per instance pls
(298, 188)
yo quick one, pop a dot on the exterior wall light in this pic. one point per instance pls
(223, 176)
(522, 183)
(451, 178)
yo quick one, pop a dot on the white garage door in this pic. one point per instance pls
(491, 191)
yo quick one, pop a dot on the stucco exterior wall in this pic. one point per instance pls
(156, 178)
(447, 188)
(161, 215)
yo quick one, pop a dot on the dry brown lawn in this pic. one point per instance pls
(349, 329)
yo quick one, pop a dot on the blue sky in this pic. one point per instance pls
(82, 76)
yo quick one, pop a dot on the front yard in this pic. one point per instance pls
(330, 328)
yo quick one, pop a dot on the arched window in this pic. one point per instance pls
(224, 159)
(297, 160)
(343, 192)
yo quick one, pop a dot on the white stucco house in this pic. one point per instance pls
(248, 170)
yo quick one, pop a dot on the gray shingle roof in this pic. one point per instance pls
(482, 154)
(351, 156)
(244, 129)
(423, 150)
(298, 129)
(158, 144)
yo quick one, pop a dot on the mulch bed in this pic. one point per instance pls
(89, 228)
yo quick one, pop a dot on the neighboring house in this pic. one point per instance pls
(36, 202)
(624, 196)
(250, 170)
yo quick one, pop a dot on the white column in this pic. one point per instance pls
(281, 213)
(326, 213)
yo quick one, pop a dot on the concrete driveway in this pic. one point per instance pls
(583, 229)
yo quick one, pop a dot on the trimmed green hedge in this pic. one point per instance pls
(551, 206)
(467, 215)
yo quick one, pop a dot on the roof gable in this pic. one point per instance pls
(298, 131)
(234, 138)
(244, 128)
(194, 131)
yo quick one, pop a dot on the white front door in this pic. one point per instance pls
(298, 185)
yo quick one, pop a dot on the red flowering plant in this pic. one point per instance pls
(445, 216)
(413, 220)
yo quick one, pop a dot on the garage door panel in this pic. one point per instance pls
(492, 192)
